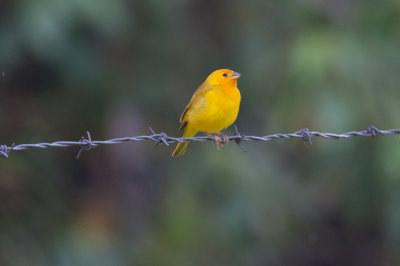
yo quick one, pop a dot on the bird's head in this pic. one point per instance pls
(223, 77)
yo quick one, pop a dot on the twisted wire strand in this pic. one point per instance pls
(161, 138)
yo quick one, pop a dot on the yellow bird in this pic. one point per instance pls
(213, 107)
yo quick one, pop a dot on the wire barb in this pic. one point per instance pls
(162, 137)
(305, 135)
(238, 138)
(5, 150)
(86, 144)
(373, 131)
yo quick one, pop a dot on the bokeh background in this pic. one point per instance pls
(116, 67)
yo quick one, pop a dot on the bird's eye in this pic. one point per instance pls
(225, 74)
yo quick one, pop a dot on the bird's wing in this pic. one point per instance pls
(197, 96)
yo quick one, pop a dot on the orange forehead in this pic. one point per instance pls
(219, 72)
(222, 77)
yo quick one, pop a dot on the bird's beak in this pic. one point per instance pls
(235, 75)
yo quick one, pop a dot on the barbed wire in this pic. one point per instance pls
(86, 144)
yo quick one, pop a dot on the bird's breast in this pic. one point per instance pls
(217, 110)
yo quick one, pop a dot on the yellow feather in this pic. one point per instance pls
(213, 107)
(182, 146)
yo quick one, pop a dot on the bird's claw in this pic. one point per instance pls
(219, 144)
(220, 140)
(225, 138)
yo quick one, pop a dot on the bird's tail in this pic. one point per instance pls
(181, 146)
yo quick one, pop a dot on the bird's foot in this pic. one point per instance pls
(218, 142)
(225, 138)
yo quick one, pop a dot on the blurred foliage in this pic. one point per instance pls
(116, 67)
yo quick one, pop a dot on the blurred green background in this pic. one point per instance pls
(116, 67)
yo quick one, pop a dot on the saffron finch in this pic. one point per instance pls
(213, 107)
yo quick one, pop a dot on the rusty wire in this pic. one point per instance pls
(161, 138)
